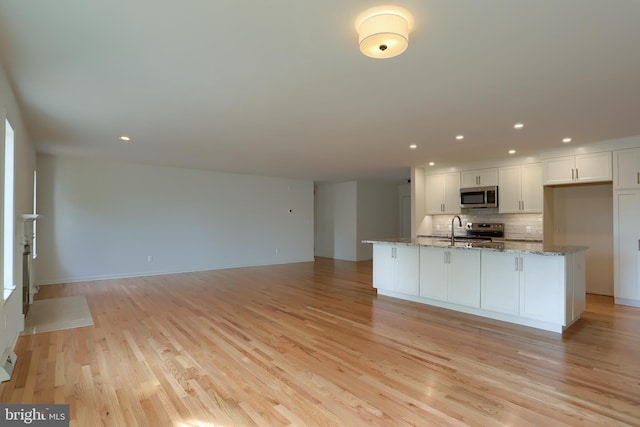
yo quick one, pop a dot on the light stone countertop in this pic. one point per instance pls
(533, 247)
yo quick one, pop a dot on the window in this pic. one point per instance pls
(8, 229)
(34, 253)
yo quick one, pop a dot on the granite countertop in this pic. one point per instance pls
(528, 246)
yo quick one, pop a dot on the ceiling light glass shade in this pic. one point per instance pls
(383, 34)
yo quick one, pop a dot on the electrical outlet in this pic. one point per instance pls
(150, 258)
(527, 229)
(438, 227)
(277, 251)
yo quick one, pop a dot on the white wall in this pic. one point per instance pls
(103, 219)
(378, 215)
(336, 216)
(406, 208)
(11, 320)
(349, 212)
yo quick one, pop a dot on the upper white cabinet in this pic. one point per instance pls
(520, 189)
(442, 193)
(626, 169)
(479, 178)
(593, 167)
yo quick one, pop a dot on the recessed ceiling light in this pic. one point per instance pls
(125, 138)
(566, 140)
(431, 163)
(518, 126)
(413, 146)
(512, 151)
(459, 137)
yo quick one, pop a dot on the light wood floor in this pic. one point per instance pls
(312, 344)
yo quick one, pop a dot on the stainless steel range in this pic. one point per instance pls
(485, 230)
(481, 235)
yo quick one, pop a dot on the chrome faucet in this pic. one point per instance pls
(459, 225)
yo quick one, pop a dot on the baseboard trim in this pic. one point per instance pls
(48, 282)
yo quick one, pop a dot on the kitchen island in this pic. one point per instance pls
(522, 282)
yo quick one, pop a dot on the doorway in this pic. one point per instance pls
(582, 215)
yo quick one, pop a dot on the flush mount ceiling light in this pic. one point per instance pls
(384, 31)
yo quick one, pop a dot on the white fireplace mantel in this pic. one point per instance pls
(28, 220)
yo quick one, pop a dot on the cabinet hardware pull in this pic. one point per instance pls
(516, 263)
(577, 178)
(522, 204)
(572, 176)
(521, 264)
(638, 177)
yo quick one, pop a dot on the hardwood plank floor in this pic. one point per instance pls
(312, 344)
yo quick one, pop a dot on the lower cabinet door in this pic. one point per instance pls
(407, 265)
(500, 282)
(542, 288)
(384, 266)
(464, 278)
(433, 277)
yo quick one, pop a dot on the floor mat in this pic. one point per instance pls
(56, 314)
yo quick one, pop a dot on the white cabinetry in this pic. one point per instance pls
(626, 168)
(464, 278)
(520, 189)
(542, 288)
(480, 178)
(594, 167)
(500, 282)
(576, 292)
(538, 287)
(450, 275)
(442, 193)
(433, 273)
(395, 268)
(626, 252)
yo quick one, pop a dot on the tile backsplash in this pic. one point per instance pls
(516, 226)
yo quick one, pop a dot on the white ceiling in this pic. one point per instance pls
(280, 88)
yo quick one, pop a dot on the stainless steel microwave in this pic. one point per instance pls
(479, 197)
